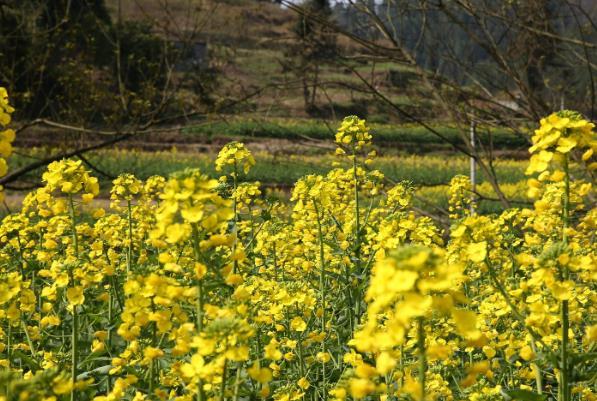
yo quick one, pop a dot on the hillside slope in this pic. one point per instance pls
(247, 40)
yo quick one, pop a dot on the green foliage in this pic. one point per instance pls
(68, 61)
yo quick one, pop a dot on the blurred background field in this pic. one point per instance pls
(152, 87)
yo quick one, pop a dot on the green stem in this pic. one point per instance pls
(109, 345)
(253, 233)
(199, 306)
(322, 294)
(422, 355)
(564, 393)
(356, 207)
(350, 297)
(357, 233)
(75, 328)
(237, 382)
(74, 347)
(9, 343)
(129, 250)
(199, 310)
(73, 221)
(21, 256)
(235, 209)
(28, 337)
(538, 377)
(275, 261)
(152, 366)
(8, 356)
(223, 388)
(401, 366)
(300, 356)
(151, 378)
(564, 385)
(566, 208)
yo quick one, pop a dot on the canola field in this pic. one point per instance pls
(196, 287)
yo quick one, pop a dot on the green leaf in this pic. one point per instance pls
(525, 395)
(26, 360)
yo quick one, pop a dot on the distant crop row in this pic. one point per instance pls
(407, 135)
(272, 169)
(430, 174)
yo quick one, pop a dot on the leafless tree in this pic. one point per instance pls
(124, 96)
(500, 64)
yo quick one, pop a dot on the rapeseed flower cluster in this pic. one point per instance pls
(7, 135)
(197, 288)
(235, 157)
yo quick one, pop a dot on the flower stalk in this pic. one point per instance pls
(422, 356)
(75, 328)
(322, 293)
(564, 393)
